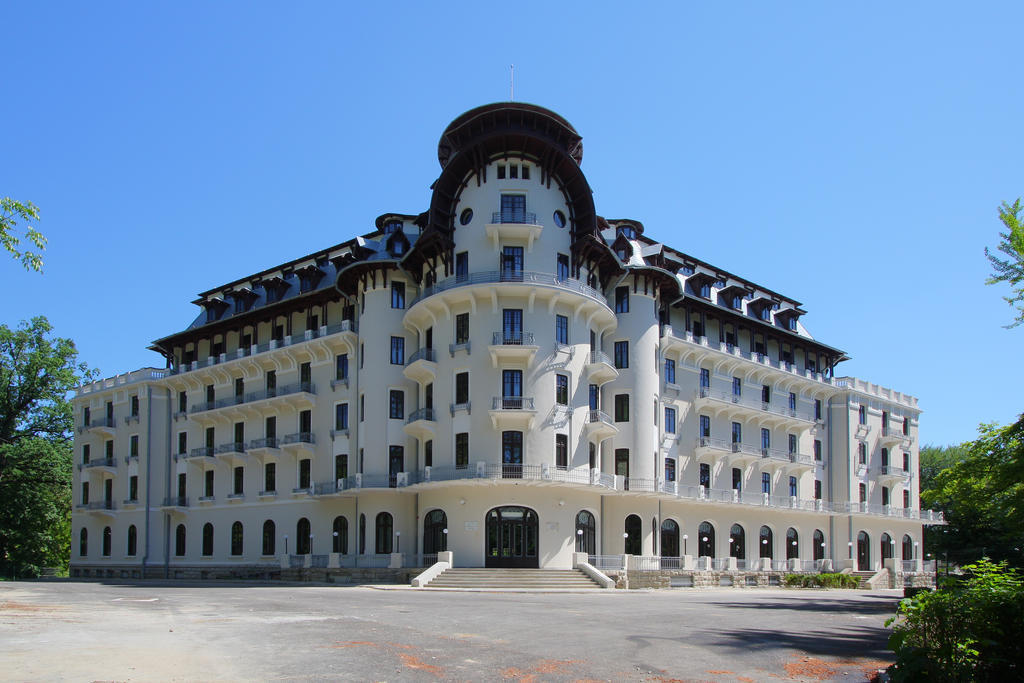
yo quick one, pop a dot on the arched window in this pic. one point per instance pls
(738, 542)
(819, 545)
(385, 527)
(339, 536)
(362, 534)
(669, 538)
(107, 536)
(435, 532)
(908, 548)
(83, 542)
(236, 538)
(586, 533)
(863, 552)
(179, 540)
(302, 540)
(207, 539)
(706, 540)
(634, 528)
(269, 537)
(132, 541)
(792, 544)
(767, 543)
(888, 547)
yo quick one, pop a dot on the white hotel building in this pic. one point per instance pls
(508, 376)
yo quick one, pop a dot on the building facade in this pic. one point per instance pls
(508, 376)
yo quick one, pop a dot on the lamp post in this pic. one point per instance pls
(334, 548)
(286, 544)
(311, 544)
(398, 541)
(849, 550)
(685, 536)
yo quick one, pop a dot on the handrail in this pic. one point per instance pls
(299, 437)
(753, 404)
(514, 217)
(425, 353)
(512, 403)
(512, 338)
(422, 414)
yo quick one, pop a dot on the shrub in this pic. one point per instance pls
(970, 630)
(820, 580)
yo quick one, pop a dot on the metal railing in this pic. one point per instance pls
(512, 403)
(599, 416)
(671, 562)
(277, 392)
(231, 447)
(298, 437)
(98, 505)
(909, 566)
(101, 422)
(176, 502)
(201, 452)
(377, 561)
(609, 562)
(102, 462)
(428, 414)
(423, 354)
(428, 559)
(265, 442)
(644, 563)
(892, 470)
(495, 276)
(600, 357)
(515, 217)
(512, 338)
(753, 403)
(928, 566)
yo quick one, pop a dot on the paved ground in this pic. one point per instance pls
(152, 631)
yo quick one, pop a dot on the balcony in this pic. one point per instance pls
(421, 424)
(199, 456)
(512, 412)
(799, 463)
(599, 426)
(890, 474)
(104, 426)
(267, 449)
(711, 451)
(600, 368)
(773, 459)
(102, 507)
(743, 454)
(742, 407)
(299, 442)
(519, 226)
(512, 346)
(890, 436)
(233, 453)
(421, 366)
(176, 503)
(108, 465)
(300, 396)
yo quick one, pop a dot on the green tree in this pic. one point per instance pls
(934, 459)
(11, 213)
(1011, 269)
(37, 372)
(982, 497)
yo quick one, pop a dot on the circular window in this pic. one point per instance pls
(559, 219)
(466, 216)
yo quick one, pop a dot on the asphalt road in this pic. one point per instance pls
(155, 631)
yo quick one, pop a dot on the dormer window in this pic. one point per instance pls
(392, 226)
(737, 302)
(705, 290)
(765, 313)
(309, 277)
(627, 231)
(791, 324)
(622, 254)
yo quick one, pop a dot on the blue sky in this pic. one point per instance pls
(851, 157)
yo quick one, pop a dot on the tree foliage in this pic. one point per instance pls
(1010, 269)
(36, 374)
(934, 459)
(13, 212)
(982, 497)
(969, 630)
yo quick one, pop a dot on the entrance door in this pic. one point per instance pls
(511, 538)
(396, 464)
(863, 552)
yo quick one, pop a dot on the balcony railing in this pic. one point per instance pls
(266, 442)
(893, 470)
(599, 416)
(600, 357)
(422, 414)
(423, 354)
(98, 505)
(103, 462)
(297, 388)
(512, 403)
(231, 447)
(201, 452)
(753, 404)
(176, 502)
(516, 217)
(512, 338)
(298, 437)
(495, 276)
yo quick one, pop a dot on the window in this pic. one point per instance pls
(561, 451)
(885, 421)
(862, 490)
(397, 295)
(385, 524)
(341, 366)
(622, 354)
(622, 407)
(208, 484)
(341, 416)
(817, 450)
(670, 469)
(562, 390)
(817, 489)
(817, 409)
(737, 435)
(461, 388)
(271, 383)
(622, 299)
(512, 389)
(792, 444)
(428, 453)
(512, 326)
(362, 355)
(792, 487)
(906, 426)
(83, 542)
(132, 541)
(670, 420)
(398, 350)
(737, 479)
(108, 450)
(270, 477)
(340, 466)
(885, 495)
(670, 371)
(622, 462)
(511, 264)
(133, 446)
(362, 407)
(562, 267)
(85, 454)
(269, 537)
(462, 261)
(593, 456)
(766, 483)
(766, 394)
(236, 538)
(766, 440)
(705, 475)
(862, 453)
(134, 411)
(594, 396)
(207, 540)
(462, 328)
(885, 457)
(339, 536)
(396, 404)
(737, 388)
(792, 403)
(501, 171)
(304, 469)
(133, 487)
(559, 219)
(362, 534)
(239, 480)
(906, 462)
(705, 378)
(462, 450)
(862, 415)
(179, 540)
(561, 329)
(906, 498)
(302, 539)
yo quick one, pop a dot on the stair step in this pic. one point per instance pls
(475, 577)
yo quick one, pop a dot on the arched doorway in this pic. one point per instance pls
(908, 548)
(634, 531)
(586, 533)
(792, 544)
(738, 543)
(819, 545)
(888, 547)
(302, 540)
(863, 552)
(767, 543)
(435, 537)
(706, 540)
(669, 538)
(511, 539)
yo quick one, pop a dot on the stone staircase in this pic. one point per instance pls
(864, 577)
(521, 579)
